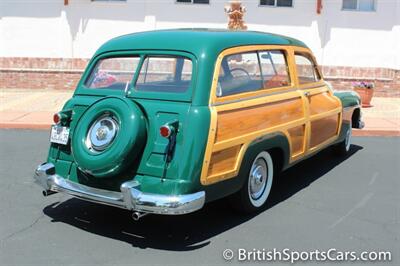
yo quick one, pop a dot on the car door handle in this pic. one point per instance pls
(307, 93)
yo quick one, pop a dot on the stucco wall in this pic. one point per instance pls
(47, 28)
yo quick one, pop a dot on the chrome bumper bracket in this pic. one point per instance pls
(130, 197)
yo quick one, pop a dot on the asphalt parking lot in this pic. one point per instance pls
(350, 204)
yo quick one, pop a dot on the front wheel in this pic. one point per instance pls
(343, 147)
(257, 187)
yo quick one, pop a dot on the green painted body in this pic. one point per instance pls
(113, 160)
(348, 98)
(140, 153)
(180, 176)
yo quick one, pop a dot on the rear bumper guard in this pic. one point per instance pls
(360, 124)
(130, 197)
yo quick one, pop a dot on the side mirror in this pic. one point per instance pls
(265, 56)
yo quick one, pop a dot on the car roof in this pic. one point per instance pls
(195, 41)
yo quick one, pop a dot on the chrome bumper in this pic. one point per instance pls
(130, 197)
(360, 124)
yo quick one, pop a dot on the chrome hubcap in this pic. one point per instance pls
(258, 178)
(102, 133)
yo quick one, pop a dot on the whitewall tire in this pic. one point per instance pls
(258, 183)
(343, 147)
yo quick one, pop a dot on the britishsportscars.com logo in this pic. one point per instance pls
(293, 256)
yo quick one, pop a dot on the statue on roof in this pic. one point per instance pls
(235, 12)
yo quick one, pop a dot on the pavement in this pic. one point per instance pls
(34, 109)
(326, 202)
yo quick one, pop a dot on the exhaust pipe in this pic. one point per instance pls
(48, 192)
(137, 215)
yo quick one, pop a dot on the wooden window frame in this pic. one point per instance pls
(287, 50)
(285, 56)
(310, 57)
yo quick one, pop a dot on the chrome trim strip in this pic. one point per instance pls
(130, 197)
(351, 107)
(255, 97)
(268, 94)
(313, 87)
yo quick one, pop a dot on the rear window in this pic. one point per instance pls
(165, 74)
(113, 73)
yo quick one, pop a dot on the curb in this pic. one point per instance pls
(25, 126)
(375, 133)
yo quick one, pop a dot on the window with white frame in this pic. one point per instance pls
(108, 0)
(194, 1)
(278, 3)
(359, 5)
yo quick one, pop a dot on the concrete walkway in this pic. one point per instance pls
(382, 119)
(34, 109)
(31, 109)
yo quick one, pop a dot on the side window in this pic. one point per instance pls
(274, 69)
(165, 74)
(359, 5)
(278, 3)
(194, 1)
(306, 69)
(239, 73)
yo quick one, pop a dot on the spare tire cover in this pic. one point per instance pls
(108, 137)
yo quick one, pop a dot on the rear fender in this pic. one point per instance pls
(276, 143)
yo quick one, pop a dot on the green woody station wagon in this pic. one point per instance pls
(163, 122)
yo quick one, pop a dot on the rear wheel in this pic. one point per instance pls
(257, 187)
(343, 147)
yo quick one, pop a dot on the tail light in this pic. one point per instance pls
(62, 117)
(57, 118)
(165, 131)
(169, 130)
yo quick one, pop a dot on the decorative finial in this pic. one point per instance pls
(235, 12)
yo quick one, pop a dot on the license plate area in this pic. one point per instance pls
(59, 135)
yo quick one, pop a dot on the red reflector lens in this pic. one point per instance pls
(56, 118)
(165, 131)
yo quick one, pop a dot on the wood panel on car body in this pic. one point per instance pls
(297, 111)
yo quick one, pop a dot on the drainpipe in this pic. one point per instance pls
(319, 6)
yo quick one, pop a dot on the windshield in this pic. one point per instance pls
(113, 73)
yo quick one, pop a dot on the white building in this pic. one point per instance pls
(352, 39)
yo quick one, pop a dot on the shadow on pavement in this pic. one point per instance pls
(191, 231)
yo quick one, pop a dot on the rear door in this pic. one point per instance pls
(253, 94)
(324, 109)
